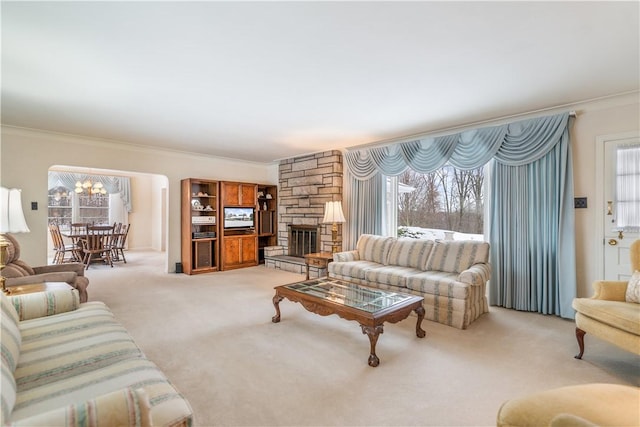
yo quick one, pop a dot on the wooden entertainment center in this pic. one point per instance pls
(226, 225)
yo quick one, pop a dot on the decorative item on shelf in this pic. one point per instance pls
(90, 188)
(60, 194)
(265, 206)
(260, 194)
(11, 221)
(269, 196)
(333, 215)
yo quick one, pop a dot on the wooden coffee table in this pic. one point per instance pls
(368, 306)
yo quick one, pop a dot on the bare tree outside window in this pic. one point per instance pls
(447, 199)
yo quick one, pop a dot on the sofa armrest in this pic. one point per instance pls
(609, 290)
(74, 267)
(477, 274)
(346, 256)
(125, 407)
(66, 276)
(48, 303)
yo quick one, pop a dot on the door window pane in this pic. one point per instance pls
(628, 187)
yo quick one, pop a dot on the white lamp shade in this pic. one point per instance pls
(333, 213)
(11, 216)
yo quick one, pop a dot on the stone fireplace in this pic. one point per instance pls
(305, 184)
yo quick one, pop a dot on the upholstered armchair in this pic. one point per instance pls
(608, 315)
(18, 272)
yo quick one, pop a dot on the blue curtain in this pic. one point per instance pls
(533, 256)
(531, 218)
(364, 207)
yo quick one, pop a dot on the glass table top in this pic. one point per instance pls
(349, 294)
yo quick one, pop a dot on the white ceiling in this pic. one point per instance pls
(268, 80)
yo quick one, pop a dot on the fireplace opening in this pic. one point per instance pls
(303, 239)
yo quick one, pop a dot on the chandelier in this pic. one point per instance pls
(90, 188)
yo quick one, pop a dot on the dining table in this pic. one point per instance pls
(77, 237)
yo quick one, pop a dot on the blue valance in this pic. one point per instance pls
(512, 144)
(113, 184)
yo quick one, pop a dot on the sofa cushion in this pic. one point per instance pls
(168, 407)
(125, 407)
(457, 256)
(71, 344)
(40, 304)
(354, 269)
(621, 315)
(389, 275)
(406, 252)
(438, 283)
(374, 248)
(632, 293)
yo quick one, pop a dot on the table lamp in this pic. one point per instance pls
(333, 215)
(11, 221)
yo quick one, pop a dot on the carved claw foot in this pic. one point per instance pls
(420, 333)
(373, 360)
(373, 333)
(276, 303)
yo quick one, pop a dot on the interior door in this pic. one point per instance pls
(618, 232)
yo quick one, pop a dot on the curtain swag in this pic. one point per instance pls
(512, 144)
(113, 184)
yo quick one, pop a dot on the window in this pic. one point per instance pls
(60, 209)
(67, 206)
(628, 187)
(441, 204)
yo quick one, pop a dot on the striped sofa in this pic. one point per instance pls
(71, 364)
(451, 275)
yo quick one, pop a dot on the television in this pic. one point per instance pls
(239, 218)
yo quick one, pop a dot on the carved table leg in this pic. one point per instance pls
(373, 334)
(420, 333)
(580, 337)
(276, 303)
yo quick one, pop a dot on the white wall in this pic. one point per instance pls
(26, 155)
(613, 116)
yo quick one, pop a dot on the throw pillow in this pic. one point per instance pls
(633, 288)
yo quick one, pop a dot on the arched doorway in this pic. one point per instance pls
(145, 207)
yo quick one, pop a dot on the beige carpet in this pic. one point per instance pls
(213, 337)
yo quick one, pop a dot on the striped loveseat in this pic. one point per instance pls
(71, 364)
(451, 275)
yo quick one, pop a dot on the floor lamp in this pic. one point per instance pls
(11, 221)
(333, 215)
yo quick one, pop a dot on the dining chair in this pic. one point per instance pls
(120, 242)
(77, 230)
(61, 249)
(97, 244)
